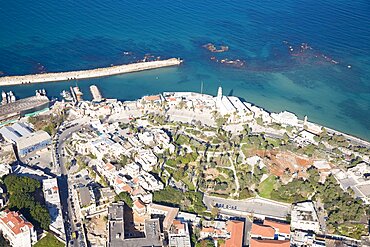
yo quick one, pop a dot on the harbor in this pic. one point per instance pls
(12, 109)
(85, 74)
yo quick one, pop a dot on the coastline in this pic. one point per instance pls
(86, 74)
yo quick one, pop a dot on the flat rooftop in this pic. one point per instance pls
(116, 211)
(22, 105)
(32, 139)
(85, 196)
(170, 213)
(152, 235)
(116, 238)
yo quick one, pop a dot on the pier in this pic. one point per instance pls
(85, 74)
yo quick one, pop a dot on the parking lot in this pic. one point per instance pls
(42, 158)
(256, 206)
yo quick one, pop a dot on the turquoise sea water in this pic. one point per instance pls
(68, 35)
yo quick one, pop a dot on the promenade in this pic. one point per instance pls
(85, 74)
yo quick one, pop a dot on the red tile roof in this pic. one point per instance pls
(263, 231)
(177, 222)
(236, 229)
(283, 227)
(138, 191)
(109, 166)
(268, 243)
(171, 99)
(15, 221)
(118, 180)
(207, 229)
(152, 98)
(127, 188)
(178, 225)
(139, 204)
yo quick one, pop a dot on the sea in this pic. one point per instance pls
(307, 57)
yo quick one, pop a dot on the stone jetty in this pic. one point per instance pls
(85, 74)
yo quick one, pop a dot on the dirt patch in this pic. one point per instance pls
(280, 163)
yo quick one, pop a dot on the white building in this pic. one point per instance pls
(147, 159)
(105, 146)
(3, 197)
(285, 118)
(16, 229)
(188, 217)
(132, 169)
(214, 229)
(243, 113)
(139, 207)
(35, 141)
(170, 214)
(360, 175)
(308, 136)
(147, 138)
(304, 217)
(5, 169)
(223, 104)
(149, 182)
(179, 235)
(107, 170)
(14, 132)
(52, 200)
(259, 112)
(161, 137)
(140, 193)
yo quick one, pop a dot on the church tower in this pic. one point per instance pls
(219, 93)
(219, 97)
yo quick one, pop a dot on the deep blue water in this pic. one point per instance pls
(74, 34)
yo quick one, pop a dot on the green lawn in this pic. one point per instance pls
(265, 188)
(273, 142)
(188, 183)
(352, 230)
(49, 241)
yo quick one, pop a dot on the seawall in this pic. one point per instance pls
(85, 74)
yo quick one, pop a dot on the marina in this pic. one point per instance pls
(19, 108)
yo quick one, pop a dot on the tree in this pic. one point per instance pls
(220, 121)
(182, 104)
(214, 212)
(41, 215)
(259, 121)
(22, 197)
(3, 241)
(323, 133)
(205, 243)
(123, 160)
(21, 184)
(316, 138)
(285, 137)
(125, 196)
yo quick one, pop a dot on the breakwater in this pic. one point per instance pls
(85, 74)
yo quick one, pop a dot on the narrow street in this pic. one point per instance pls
(66, 189)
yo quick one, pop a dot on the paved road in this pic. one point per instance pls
(253, 206)
(65, 194)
